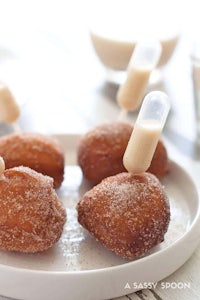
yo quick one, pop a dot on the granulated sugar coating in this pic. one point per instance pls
(101, 151)
(31, 215)
(129, 214)
(39, 152)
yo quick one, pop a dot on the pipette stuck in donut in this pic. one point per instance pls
(147, 130)
(9, 109)
(144, 59)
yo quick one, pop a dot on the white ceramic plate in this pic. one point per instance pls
(78, 267)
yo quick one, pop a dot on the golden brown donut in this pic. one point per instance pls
(160, 163)
(36, 151)
(128, 214)
(31, 215)
(101, 150)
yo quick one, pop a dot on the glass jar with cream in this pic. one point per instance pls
(117, 26)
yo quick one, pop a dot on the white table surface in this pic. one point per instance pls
(63, 89)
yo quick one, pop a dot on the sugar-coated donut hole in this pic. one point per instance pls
(129, 214)
(31, 215)
(101, 150)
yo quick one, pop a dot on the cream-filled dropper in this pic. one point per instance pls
(143, 61)
(2, 165)
(9, 109)
(147, 130)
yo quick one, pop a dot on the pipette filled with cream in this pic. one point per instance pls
(144, 59)
(147, 130)
(9, 109)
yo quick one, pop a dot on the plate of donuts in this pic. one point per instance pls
(80, 266)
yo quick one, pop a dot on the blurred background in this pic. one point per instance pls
(48, 60)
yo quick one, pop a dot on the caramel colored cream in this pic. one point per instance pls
(115, 54)
(143, 61)
(131, 93)
(116, 27)
(141, 146)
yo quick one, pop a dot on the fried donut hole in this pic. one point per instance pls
(101, 150)
(36, 151)
(128, 214)
(31, 215)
